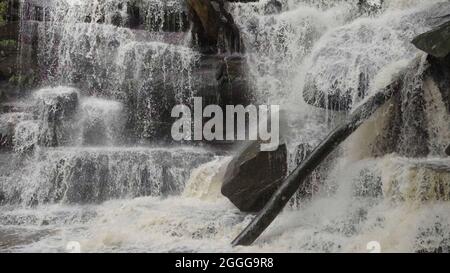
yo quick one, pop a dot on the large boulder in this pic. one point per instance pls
(435, 42)
(253, 176)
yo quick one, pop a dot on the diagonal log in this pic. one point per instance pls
(325, 148)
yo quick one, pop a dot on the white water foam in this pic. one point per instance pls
(400, 202)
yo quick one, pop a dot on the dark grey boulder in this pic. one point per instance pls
(435, 42)
(253, 176)
(447, 151)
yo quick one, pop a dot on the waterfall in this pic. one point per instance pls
(94, 46)
(92, 175)
(101, 121)
(87, 157)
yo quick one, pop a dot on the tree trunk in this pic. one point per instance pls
(294, 181)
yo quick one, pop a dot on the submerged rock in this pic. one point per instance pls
(253, 176)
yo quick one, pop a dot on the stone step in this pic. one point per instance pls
(161, 16)
(93, 175)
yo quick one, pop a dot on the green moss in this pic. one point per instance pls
(3, 11)
(8, 43)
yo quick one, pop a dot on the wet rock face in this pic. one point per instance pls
(214, 29)
(416, 117)
(440, 72)
(437, 44)
(171, 16)
(9, 36)
(8, 50)
(253, 176)
(8, 125)
(218, 80)
(337, 100)
(233, 81)
(149, 115)
(55, 108)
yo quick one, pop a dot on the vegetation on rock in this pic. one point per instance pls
(3, 10)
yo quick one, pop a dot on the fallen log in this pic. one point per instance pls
(288, 188)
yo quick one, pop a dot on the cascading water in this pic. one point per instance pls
(88, 44)
(70, 180)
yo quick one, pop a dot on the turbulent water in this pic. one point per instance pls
(81, 184)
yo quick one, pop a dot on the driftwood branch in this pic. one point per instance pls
(294, 181)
